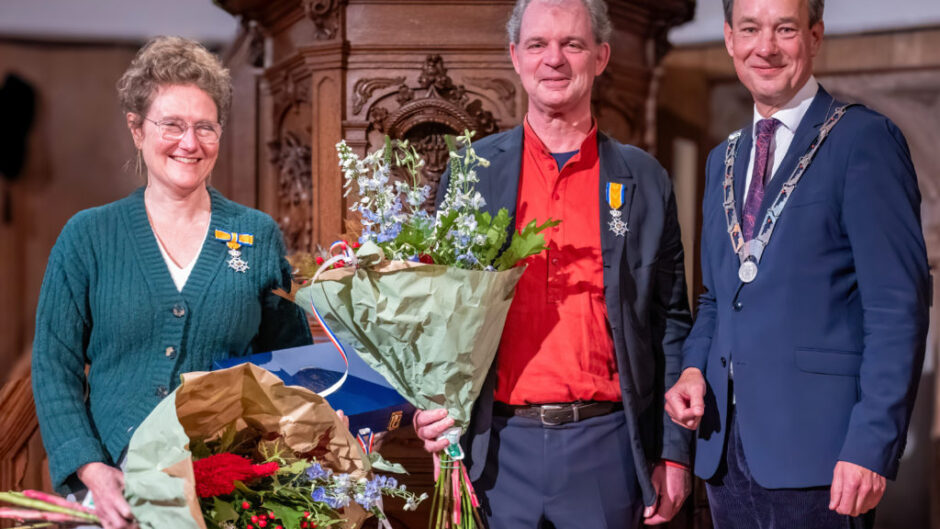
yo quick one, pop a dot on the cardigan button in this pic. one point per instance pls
(179, 311)
(171, 352)
(161, 391)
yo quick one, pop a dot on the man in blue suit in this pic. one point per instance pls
(801, 368)
(569, 429)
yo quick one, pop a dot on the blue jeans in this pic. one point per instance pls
(737, 501)
(578, 475)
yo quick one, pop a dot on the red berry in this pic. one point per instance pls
(426, 259)
(278, 527)
(246, 505)
(262, 523)
(306, 514)
(356, 244)
(303, 525)
(319, 260)
(249, 526)
(254, 518)
(271, 515)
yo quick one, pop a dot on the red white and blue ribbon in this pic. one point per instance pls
(366, 438)
(349, 258)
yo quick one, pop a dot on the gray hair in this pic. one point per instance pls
(815, 10)
(597, 11)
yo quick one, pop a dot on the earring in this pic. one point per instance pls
(140, 161)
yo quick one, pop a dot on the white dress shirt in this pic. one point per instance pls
(789, 117)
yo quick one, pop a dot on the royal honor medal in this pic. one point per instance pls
(615, 199)
(234, 242)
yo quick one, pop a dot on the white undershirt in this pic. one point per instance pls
(179, 275)
(789, 117)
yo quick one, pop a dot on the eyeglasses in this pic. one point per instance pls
(206, 132)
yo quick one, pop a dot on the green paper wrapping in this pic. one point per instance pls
(432, 331)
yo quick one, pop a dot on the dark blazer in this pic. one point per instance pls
(828, 341)
(644, 287)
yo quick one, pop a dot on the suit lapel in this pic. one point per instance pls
(613, 170)
(500, 187)
(806, 132)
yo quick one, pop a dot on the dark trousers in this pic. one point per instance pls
(738, 502)
(578, 475)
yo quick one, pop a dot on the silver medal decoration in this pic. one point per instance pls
(752, 252)
(616, 224)
(236, 262)
(748, 271)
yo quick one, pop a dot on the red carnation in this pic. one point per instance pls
(216, 475)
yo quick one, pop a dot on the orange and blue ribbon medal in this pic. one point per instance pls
(235, 241)
(616, 195)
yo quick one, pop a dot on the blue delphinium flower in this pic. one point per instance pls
(316, 471)
(319, 494)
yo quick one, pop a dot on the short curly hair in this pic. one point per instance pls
(168, 61)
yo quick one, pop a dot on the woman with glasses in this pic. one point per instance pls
(162, 282)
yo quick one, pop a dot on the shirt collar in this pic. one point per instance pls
(587, 150)
(793, 111)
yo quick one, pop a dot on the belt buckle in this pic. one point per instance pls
(556, 407)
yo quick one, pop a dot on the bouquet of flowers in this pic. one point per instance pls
(423, 298)
(236, 448)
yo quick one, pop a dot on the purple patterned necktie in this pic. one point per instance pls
(755, 194)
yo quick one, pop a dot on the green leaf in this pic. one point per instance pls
(496, 233)
(289, 516)
(529, 241)
(224, 512)
(199, 450)
(228, 437)
(383, 465)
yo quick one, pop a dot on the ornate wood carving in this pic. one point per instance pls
(429, 110)
(504, 88)
(255, 45)
(325, 15)
(292, 157)
(620, 112)
(362, 92)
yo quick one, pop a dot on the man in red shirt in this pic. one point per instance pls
(569, 428)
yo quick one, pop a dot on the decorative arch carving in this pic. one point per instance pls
(426, 112)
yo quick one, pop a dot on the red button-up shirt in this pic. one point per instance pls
(556, 345)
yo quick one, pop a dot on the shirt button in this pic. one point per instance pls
(556, 196)
(554, 260)
(170, 352)
(724, 361)
(179, 311)
(738, 306)
(161, 391)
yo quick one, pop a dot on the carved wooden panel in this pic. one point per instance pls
(427, 110)
(290, 155)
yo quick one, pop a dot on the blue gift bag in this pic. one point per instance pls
(365, 397)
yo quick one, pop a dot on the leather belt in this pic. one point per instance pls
(558, 414)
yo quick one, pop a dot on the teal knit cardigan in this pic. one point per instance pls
(108, 300)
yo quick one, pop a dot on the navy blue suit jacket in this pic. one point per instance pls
(644, 289)
(828, 342)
